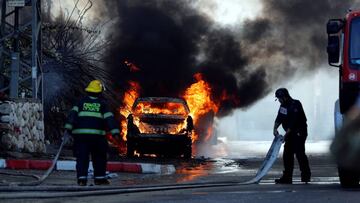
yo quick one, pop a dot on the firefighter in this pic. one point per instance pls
(88, 121)
(292, 117)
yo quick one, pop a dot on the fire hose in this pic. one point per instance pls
(47, 173)
(269, 160)
(75, 191)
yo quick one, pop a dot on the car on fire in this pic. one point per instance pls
(161, 126)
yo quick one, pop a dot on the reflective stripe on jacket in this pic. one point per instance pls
(91, 116)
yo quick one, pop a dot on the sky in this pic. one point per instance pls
(230, 12)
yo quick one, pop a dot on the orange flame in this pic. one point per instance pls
(129, 99)
(165, 108)
(169, 108)
(198, 97)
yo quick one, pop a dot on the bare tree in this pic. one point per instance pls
(72, 55)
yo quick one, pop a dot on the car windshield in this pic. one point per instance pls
(355, 42)
(170, 108)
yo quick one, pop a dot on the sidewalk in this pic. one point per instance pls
(65, 165)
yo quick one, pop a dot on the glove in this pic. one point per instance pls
(66, 137)
(276, 132)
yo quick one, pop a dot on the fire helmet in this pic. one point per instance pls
(95, 86)
(281, 93)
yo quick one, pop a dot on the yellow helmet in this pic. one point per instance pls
(95, 86)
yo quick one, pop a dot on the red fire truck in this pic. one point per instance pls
(344, 52)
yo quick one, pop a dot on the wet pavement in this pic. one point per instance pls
(204, 171)
(201, 170)
(189, 171)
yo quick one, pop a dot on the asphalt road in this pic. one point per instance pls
(314, 192)
(324, 186)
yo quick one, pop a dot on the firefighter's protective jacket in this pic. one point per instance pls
(91, 116)
(292, 116)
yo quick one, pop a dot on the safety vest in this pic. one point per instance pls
(91, 117)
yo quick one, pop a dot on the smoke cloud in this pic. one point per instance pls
(170, 41)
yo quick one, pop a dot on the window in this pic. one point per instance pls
(355, 42)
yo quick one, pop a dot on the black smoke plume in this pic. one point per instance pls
(170, 41)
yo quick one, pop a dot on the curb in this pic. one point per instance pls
(71, 166)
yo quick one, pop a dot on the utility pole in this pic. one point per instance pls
(20, 47)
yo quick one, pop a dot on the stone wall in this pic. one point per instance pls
(22, 126)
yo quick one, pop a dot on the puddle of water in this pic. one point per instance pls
(213, 166)
(237, 150)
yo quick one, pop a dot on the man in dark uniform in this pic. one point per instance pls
(88, 122)
(292, 117)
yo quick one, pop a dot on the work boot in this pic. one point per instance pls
(305, 179)
(283, 180)
(82, 182)
(102, 181)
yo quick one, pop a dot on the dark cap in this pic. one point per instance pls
(281, 93)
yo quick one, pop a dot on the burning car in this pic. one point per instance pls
(161, 126)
